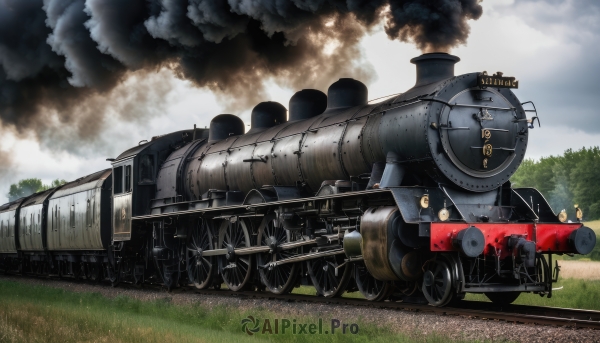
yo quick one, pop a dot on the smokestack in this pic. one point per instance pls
(434, 67)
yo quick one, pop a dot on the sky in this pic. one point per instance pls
(550, 46)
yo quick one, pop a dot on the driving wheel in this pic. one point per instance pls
(371, 288)
(235, 269)
(200, 268)
(325, 279)
(278, 279)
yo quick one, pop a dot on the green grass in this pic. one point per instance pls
(310, 290)
(582, 294)
(594, 225)
(45, 314)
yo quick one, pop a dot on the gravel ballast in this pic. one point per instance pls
(411, 323)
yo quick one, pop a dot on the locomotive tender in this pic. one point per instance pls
(408, 197)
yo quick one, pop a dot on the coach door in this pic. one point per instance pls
(122, 198)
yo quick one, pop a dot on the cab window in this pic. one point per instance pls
(147, 168)
(118, 180)
(127, 178)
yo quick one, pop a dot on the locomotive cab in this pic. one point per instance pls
(134, 179)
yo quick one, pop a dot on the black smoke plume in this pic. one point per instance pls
(58, 55)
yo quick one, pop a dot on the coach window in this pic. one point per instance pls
(72, 215)
(88, 213)
(2, 228)
(127, 178)
(56, 221)
(118, 180)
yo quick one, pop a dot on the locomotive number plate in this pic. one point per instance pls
(496, 81)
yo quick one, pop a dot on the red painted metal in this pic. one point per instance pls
(549, 237)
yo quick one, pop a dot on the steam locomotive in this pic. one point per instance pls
(407, 198)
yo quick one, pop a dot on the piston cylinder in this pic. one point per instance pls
(386, 258)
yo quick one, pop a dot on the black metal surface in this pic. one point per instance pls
(225, 125)
(470, 241)
(434, 67)
(346, 93)
(265, 115)
(307, 103)
(170, 179)
(538, 204)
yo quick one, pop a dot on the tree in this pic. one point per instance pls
(54, 184)
(24, 188)
(585, 178)
(27, 187)
(573, 178)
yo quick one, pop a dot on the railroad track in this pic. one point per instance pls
(538, 315)
(520, 314)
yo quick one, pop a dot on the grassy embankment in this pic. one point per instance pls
(45, 314)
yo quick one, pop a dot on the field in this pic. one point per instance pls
(44, 314)
(579, 269)
(594, 225)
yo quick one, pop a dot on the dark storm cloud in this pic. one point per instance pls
(433, 25)
(64, 56)
(567, 95)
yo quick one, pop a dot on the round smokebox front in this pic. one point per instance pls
(479, 132)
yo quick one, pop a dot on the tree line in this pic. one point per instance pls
(27, 187)
(565, 181)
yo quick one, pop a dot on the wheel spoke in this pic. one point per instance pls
(200, 268)
(235, 270)
(440, 291)
(278, 279)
